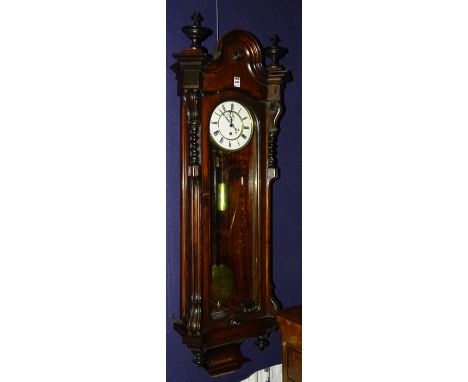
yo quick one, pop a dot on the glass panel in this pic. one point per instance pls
(234, 222)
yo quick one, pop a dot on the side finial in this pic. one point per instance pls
(196, 32)
(275, 52)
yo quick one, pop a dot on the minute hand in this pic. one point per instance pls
(230, 122)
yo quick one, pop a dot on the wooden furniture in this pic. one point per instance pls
(230, 103)
(290, 322)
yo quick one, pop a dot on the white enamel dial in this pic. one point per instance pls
(231, 126)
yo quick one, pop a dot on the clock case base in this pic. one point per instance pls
(218, 351)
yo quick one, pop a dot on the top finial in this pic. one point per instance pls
(275, 40)
(197, 19)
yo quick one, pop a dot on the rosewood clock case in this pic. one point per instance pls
(226, 286)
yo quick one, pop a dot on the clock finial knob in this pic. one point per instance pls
(196, 32)
(275, 52)
(197, 18)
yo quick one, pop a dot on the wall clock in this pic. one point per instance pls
(231, 103)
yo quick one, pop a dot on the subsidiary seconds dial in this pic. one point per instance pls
(231, 126)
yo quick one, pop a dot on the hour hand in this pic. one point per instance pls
(231, 124)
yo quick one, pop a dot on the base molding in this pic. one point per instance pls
(220, 360)
(218, 350)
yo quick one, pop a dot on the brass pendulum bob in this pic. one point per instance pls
(222, 191)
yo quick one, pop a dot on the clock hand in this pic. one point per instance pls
(230, 123)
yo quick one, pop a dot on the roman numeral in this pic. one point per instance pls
(224, 107)
(214, 122)
(221, 140)
(232, 106)
(246, 127)
(244, 118)
(229, 143)
(243, 136)
(215, 133)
